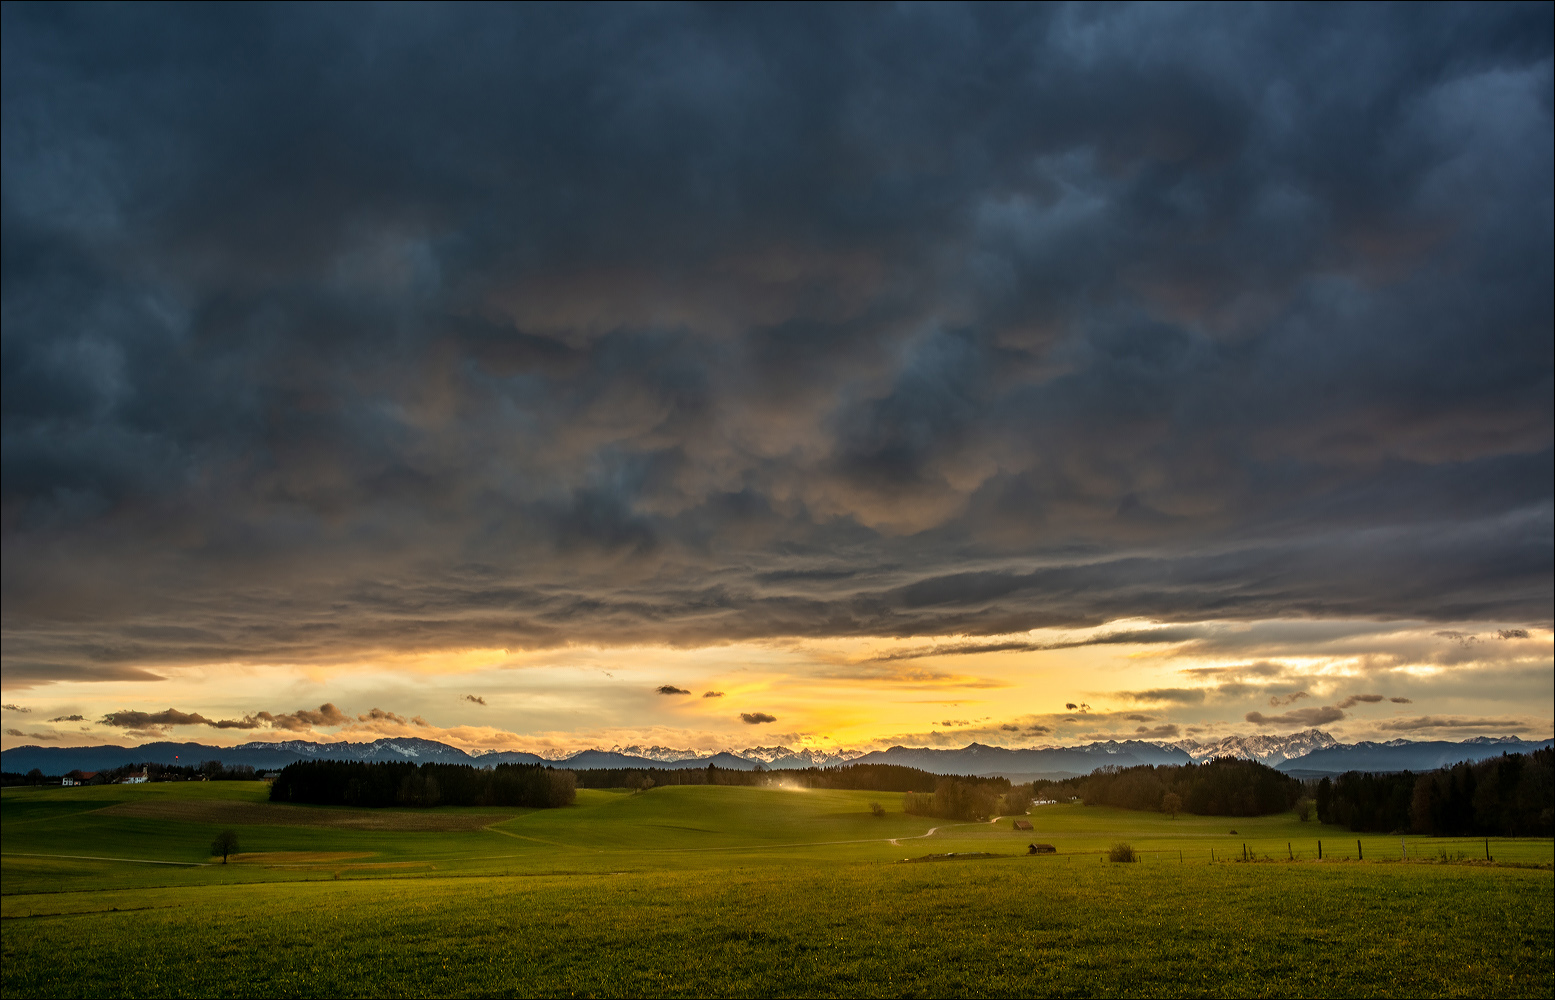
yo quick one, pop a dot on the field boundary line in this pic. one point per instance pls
(532, 840)
(89, 857)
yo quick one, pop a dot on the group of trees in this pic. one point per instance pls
(34, 777)
(1508, 796)
(355, 783)
(1224, 786)
(968, 798)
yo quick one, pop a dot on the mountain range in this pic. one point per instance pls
(1304, 754)
(1271, 750)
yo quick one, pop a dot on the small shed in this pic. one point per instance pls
(1041, 849)
(1023, 824)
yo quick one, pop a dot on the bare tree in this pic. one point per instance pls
(1171, 802)
(226, 843)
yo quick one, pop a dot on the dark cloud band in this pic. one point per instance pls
(661, 327)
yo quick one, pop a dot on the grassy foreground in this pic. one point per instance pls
(732, 891)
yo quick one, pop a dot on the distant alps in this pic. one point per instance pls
(1311, 752)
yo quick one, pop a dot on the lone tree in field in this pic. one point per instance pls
(877, 809)
(1171, 803)
(226, 843)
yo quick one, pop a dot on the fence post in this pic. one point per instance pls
(1244, 852)
(1289, 850)
(1487, 849)
(1360, 855)
(1320, 850)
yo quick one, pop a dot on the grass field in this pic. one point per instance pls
(742, 891)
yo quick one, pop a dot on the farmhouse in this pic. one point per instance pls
(78, 778)
(137, 778)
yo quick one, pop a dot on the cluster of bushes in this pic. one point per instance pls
(206, 770)
(1508, 796)
(855, 777)
(1224, 786)
(968, 798)
(355, 783)
(9, 779)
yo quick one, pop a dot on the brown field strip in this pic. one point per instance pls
(296, 857)
(279, 814)
(352, 866)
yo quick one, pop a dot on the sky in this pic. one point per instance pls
(716, 376)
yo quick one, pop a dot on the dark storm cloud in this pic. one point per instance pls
(298, 721)
(1440, 722)
(1319, 716)
(1179, 696)
(172, 717)
(756, 718)
(334, 328)
(1298, 717)
(1123, 637)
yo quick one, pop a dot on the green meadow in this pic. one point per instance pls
(724, 891)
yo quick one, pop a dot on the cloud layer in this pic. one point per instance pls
(685, 325)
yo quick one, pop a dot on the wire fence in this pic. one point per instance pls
(1437, 850)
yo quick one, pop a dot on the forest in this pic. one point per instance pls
(355, 783)
(1508, 796)
(1224, 786)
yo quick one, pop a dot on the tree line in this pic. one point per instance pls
(1223, 786)
(968, 799)
(359, 783)
(206, 770)
(1508, 796)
